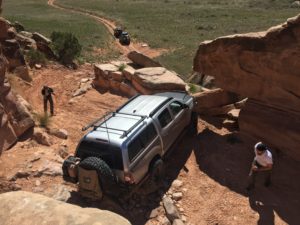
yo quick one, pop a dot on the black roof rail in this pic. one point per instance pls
(125, 132)
(160, 105)
(131, 99)
(91, 124)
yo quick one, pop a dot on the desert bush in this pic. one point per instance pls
(35, 57)
(43, 119)
(121, 67)
(66, 47)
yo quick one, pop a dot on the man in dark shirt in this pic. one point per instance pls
(47, 96)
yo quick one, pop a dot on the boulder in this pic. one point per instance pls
(117, 76)
(127, 90)
(13, 53)
(3, 66)
(60, 133)
(26, 42)
(101, 83)
(104, 70)
(18, 26)
(178, 222)
(41, 137)
(23, 72)
(26, 34)
(44, 48)
(140, 89)
(276, 127)
(213, 99)
(28, 208)
(264, 67)
(128, 72)
(20, 118)
(3, 29)
(40, 38)
(7, 134)
(142, 60)
(11, 33)
(171, 210)
(158, 78)
(114, 86)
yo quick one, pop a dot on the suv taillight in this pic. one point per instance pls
(128, 178)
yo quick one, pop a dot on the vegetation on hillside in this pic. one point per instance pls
(177, 25)
(180, 25)
(66, 46)
(35, 57)
(37, 16)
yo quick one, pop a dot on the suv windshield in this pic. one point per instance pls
(112, 155)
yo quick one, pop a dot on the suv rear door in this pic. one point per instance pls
(167, 126)
(141, 150)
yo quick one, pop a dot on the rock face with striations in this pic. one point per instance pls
(265, 67)
(28, 208)
(15, 118)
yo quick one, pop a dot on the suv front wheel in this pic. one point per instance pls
(157, 171)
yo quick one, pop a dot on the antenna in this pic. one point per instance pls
(106, 127)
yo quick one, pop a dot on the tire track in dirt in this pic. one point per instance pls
(110, 25)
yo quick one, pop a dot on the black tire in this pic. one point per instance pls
(117, 32)
(157, 171)
(124, 41)
(105, 174)
(193, 126)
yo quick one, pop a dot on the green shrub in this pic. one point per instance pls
(43, 119)
(122, 67)
(35, 57)
(66, 47)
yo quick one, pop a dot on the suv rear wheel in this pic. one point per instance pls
(105, 174)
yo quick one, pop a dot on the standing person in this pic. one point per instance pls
(47, 96)
(262, 164)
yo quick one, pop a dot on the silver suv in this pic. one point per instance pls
(126, 146)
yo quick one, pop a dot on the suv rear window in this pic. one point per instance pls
(112, 155)
(164, 118)
(141, 141)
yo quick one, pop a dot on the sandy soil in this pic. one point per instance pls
(212, 165)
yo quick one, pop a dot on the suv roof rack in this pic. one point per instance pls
(125, 132)
(130, 100)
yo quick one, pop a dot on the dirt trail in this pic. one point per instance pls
(110, 25)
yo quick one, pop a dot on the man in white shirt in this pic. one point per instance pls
(262, 163)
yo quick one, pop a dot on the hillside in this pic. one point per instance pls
(161, 24)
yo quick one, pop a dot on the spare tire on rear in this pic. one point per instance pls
(105, 174)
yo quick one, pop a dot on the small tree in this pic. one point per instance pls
(65, 46)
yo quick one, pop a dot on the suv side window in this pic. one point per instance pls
(148, 135)
(134, 148)
(164, 118)
(176, 107)
(141, 141)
